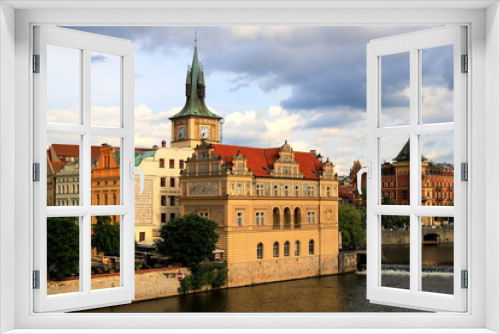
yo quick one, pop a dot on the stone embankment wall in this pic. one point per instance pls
(243, 274)
(347, 262)
(149, 283)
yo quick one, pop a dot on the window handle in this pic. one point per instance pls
(134, 170)
(368, 171)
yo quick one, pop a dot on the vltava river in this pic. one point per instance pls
(338, 293)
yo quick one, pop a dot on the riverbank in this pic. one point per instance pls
(335, 293)
(160, 283)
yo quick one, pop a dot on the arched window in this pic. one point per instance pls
(288, 218)
(115, 202)
(98, 199)
(287, 248)
(276, 249)
(311, 247)
(260, 251)
(297, 248)
(276, 219)
(297, 218)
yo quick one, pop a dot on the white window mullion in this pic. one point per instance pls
(415, 167)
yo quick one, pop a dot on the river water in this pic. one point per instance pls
(337, 293)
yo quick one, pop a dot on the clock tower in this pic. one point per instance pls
(195, 122)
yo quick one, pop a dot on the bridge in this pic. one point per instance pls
(430, 234)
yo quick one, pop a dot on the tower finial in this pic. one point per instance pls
(195, 38)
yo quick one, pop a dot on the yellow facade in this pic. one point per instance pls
(265, 211)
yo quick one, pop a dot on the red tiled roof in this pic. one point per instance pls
(57, 166)
(65, 150)
(261, 160)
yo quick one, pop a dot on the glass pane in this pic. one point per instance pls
(63, 84)
(105, 252)
(395, 252)
(437, 170)
(105, 91)
(105, 188)
(395, 170)
(437, 254)
(63, 172)
(437, 84)
(63, 255)
(395, 89)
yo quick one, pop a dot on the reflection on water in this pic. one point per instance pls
(432, 254)
(339, 293)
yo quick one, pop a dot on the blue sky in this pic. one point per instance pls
(306, 85)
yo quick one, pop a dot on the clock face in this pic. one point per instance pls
(182, 132)
(204, 132)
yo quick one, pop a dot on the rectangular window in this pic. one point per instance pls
(163, 217)
(172, 182)
(172, 200)
(162, 163)
(239, 218)
(142, 236)
(163, 200)
(259, 218)
(240, 189)
(181, 164)
(172, 216)
(163, 182)
(171, 163)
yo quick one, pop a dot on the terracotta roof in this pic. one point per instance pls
(261, 160)
(64, 150)
(57, 166)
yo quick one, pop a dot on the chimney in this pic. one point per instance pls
(314, 152)
(163, 144)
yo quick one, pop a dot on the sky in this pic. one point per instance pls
(306, 85)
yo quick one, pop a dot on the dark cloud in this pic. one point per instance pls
(324, 67)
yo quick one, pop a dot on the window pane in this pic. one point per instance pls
(105, 252)
(105, 188)
(437, 170)
(63, 84)
(63, 169)
(437, 84)
(395, 252)
(105, 89)
(437, 254)
(395, 170)
(395, 89)
(63, 255)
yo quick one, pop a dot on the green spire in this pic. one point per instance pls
(195, 91)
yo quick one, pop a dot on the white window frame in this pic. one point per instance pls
(412, 44)
(483, 17)
(87, 43)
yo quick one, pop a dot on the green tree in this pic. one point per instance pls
(189, 239)
(106, 236)
(393, 221)
(350, 224)
(63, 238)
